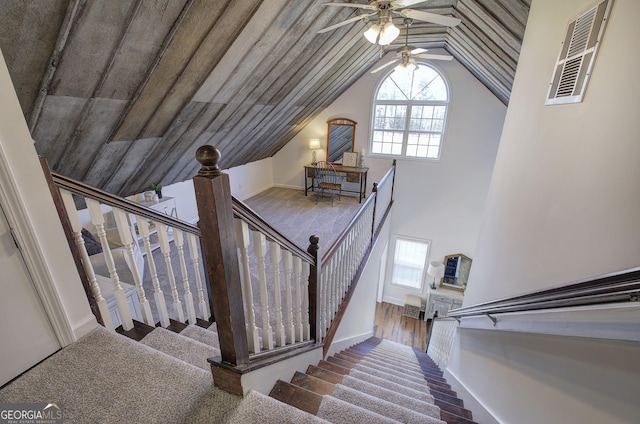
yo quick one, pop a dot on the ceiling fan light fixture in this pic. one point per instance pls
(389, 33)
(406, 67)
(372, 33)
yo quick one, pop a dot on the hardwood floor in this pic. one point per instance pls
(390, 324)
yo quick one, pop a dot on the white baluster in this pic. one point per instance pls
(188, 297)
(124, 231)
(118, 292)
(165, 248)
(324, 305)
(76, 227)
(260, 250)
(242, 240)
(158, 295)
(194, 252)
(275, 256)
(289, 328)
(297, 271)
(306, 328)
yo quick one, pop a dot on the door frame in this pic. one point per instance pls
(24, 232)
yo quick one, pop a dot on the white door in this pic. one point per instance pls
(26, 337)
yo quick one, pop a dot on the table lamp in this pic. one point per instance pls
(436, 270)
(314, 144)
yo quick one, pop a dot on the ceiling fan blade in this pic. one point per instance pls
(429, 17)
(380, 68)
(407, 3)
(418, 50)
(348, 21)
(434, 56)
(359, 6)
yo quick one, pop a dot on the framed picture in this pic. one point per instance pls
(350, 159)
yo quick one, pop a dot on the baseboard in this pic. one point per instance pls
(339, 345)
(256, 192)
(294, 187)
(480, 412)
(393, 300)
(85, 326)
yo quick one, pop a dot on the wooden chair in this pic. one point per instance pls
(327, 179)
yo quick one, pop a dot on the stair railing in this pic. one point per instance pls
(344, 261)
(128, 234)
(442, 334)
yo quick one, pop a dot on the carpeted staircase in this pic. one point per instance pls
(105, 377)
(376, 381)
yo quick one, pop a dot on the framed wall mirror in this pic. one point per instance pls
(340, 137)
(456, 271)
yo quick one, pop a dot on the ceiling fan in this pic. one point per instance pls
(384, 31)
(407, 54)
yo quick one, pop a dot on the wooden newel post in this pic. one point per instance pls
(215, 208)
(374, 191)
(314, 282)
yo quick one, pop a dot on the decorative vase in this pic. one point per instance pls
(159, 193)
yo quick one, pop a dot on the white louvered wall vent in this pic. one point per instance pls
(577, 55)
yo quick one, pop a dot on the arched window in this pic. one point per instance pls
(409, 112)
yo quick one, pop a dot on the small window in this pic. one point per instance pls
(409, 114)
(409, 262)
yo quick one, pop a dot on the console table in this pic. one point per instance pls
(441, 300)
(350, 173)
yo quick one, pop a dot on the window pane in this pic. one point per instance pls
(409, 263)
(412, 125)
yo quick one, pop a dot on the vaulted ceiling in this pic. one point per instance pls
(120, 93)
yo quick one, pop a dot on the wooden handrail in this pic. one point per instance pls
(336, 244)
(622, 286)
(80, 188)
(243, 211)
(240, 210)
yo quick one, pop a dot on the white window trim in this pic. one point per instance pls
(403, 156)
(392, 255)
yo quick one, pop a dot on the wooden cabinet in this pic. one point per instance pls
(441, 301)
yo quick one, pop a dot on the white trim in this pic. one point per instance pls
(17, 216)
(480, 412)
(339, 345)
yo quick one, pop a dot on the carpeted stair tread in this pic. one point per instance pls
(334, 378)
(382, 407)
(338, 411)
(99, 377)
(206, 336)
(408, 381)
(181, 347)
(398, 367)
(401, 358)
(401, 387)
(426, 408)
(258, 408)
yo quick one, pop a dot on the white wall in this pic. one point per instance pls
(246, 181)
(51, 267)
(563, 206)
(357, 322)
(564, 201)
(438, 201)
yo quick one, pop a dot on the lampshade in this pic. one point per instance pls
(436, 269)
(372, 33)
(314, 144)
(406, 68)
(388, 33)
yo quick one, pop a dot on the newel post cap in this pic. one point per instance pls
(208, 156)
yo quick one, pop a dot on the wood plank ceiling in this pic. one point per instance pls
(120, 93)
